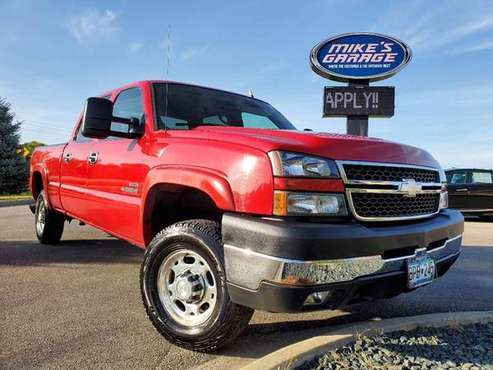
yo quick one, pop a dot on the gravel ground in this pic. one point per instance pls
(462, 347)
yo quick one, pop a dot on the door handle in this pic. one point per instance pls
(67, 157)
(463, 189)
(92, 158)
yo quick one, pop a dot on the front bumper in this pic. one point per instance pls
(278, 265)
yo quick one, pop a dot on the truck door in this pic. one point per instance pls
(481, 190)
(116, 174)
(73, 175)
(458, 188)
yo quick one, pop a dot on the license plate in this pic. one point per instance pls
(420, 271)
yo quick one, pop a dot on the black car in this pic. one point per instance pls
(471, 191)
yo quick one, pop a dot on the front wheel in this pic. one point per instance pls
(49, 224)
(184, 291)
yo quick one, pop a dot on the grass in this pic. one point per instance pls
(22, 196)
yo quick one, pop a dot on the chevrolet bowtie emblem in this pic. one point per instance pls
(410, 188)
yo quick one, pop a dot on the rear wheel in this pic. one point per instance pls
(184, 287)
(49, 224)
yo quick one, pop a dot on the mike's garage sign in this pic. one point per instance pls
(358, 59)
(359, 56)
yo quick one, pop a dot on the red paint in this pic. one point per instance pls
(229, 164)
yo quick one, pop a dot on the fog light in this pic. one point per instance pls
(317, 298)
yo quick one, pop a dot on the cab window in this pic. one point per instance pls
(457, 177)
(128, 104)
(482, 177)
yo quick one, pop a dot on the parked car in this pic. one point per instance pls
(471, 191)
(237, 210)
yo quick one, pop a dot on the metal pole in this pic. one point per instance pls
(357, 125)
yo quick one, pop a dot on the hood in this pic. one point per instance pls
(332, 146)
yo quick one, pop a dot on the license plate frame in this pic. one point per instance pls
(421, 270)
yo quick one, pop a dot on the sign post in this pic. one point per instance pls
(357, 124)
(358, 59)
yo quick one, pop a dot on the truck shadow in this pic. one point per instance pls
(269, 332)
(31, 253)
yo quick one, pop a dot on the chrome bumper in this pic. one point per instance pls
(247, 268)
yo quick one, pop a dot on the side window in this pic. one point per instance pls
(482, 177)
(457, 177)
(128, 104)
(79, 137)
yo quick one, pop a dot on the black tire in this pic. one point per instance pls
(486, 218)
(52, 230)
(227, 320)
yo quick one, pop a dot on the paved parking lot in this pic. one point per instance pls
(78, 304)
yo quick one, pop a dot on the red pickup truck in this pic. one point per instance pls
(237, 210)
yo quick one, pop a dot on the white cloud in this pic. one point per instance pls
(135, 47)
(471, 49)
(426, 29)
(194, 52)
(93, 23)
(428, 41)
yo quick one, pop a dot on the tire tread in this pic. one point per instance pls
(236, 317)
(54, 223)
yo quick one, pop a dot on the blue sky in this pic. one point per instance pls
(53, 55)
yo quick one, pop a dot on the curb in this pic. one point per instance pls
(20, 202)
(298, 353)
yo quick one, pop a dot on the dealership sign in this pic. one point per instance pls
(359, 56)
(372, 101)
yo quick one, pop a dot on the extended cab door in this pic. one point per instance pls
(116, 174)
(73, 175)
(481, 190)
(458, 188)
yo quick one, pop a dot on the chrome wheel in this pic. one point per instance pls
(187, 288)
(41, 218)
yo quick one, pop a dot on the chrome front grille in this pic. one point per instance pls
(383, 205)
(390, 173)
(390, 192)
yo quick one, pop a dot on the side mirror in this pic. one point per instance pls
(97, 119)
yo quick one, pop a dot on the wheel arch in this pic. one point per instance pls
(190, 191)
(37, 183)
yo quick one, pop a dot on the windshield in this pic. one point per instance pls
(191, 106)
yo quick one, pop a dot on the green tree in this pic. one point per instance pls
(13, 176)
(30, 146)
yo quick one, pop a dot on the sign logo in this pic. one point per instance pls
(410, 188)
(359, 56)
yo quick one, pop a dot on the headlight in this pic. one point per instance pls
(444, 193)
(306, 204)
(288, 164)
(443, 198)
